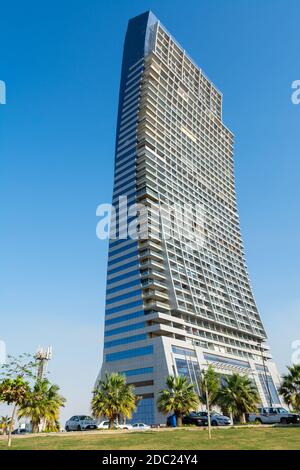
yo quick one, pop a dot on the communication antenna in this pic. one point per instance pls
(43, 356)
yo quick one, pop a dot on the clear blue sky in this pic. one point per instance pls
(61, 62)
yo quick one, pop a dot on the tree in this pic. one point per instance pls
(290, 387)
(42, 405)
(211, 382)
(4, 424)
(238, 396)
(14, 384)
(25, 365)
(179, 397)
(113, 397)
(13, 392)
(209, 387)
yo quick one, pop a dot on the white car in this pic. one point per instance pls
(80, 423)
(275, 415)
(140, 427)
(105, 425)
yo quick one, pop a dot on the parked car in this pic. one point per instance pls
(195, 418)
(140, 427)
(192, 418)
(80, 423)
(274, 415)
(216, 419)
(105, 425)
(21, 431)
(124, 426)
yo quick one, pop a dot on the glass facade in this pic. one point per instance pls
(189, 369)
(129, 353)
(124, 329)
(143, 370)
(226, 360)
(123, 318)
(144, 412)
(129, 339)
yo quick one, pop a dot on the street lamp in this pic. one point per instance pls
(265, 372)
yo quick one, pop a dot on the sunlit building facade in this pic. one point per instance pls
(177, 303)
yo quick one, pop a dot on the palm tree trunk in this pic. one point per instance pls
(11, 425)
(179, 420)
(111, 423)
(35, 426)
(244, 418)
(231, 417)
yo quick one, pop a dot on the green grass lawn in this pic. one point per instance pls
(180, 439)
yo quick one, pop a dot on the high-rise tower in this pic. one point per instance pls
(178, 298)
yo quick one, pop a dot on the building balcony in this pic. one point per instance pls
(155, 255)
(154, 304)
(147, 192)
(155, 294)
(154, 283)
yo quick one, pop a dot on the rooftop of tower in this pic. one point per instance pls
(152, 19)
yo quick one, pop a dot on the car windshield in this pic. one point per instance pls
(82, 418)
(282, 410)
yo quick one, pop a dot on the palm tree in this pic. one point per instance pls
(113, 397)
(42, 405)
(290, 387)
(238, 396)
(13, 392)
(179, 397)
(4, 424)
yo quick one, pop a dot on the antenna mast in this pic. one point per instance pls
(43, 356)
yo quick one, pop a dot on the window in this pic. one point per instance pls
(183, 351)
(124, 266)
(137, 303)
(124, 317)
(129, 353)
(269, 389)
(129, 339)
(127, 295)
(144, 370)
(123, 329)
(188, 369)
(144, 411)
(225, 360)
(135, 282)
(122, 258)
(120, 278)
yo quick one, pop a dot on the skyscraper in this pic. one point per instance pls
(178, 298)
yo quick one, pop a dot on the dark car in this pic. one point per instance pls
(20, 431)
(192, 418)
(197, 419)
